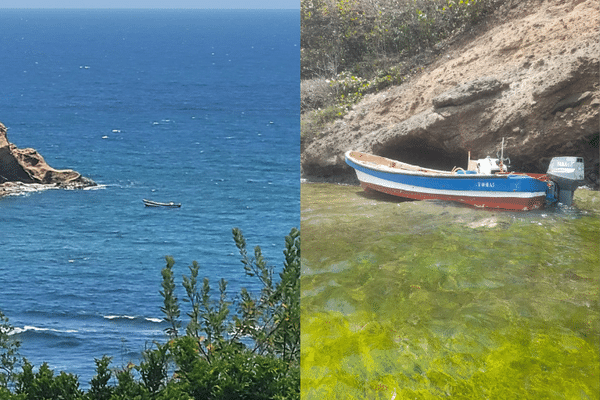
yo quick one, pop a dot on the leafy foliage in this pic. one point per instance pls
(272, 320)
(362, 36)
(234, 372)
(9, 349)
(44, 385)
(99, 389)
(211, 361)
(171, 306)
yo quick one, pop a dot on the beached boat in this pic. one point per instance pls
(150, 203)
(486, 183)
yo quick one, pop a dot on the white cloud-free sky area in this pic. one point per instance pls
(241, 4)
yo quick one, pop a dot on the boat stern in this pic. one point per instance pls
(566, 174)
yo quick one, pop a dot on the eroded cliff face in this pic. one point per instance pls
(28, 166)
(532, 78)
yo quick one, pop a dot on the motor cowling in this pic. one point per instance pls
(567, 174)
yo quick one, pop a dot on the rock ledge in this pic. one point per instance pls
(27, 166)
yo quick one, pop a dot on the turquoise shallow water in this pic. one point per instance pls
(432, 299)
(196, 107)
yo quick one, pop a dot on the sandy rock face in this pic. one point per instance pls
(28, 166)
(532, 79)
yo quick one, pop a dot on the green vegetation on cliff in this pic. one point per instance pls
(353, 47)
(362, 37)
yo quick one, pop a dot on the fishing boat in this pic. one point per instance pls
(150, 203)
(486, 183)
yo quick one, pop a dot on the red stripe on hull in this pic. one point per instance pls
(504, 203)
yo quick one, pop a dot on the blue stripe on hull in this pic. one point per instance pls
(460, 183)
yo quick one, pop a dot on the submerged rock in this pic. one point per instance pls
(27, 166)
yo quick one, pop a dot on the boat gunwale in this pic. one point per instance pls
(400, 169)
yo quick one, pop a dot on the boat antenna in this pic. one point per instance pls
(502, 150)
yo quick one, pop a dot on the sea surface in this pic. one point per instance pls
(433, 299)
(198, 107)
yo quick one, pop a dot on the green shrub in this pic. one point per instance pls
(316, 94)
(9, 352)
(99, 389)
(211, 361)
(233, 372)
(128, 388)
(44, 385)
(347, 35)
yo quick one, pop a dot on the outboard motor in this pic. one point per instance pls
(567, 174)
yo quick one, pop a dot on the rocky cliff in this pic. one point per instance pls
(529, 75)
(28, 166)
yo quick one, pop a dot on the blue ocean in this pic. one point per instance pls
(198, 107)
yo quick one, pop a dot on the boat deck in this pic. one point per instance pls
(382, 162)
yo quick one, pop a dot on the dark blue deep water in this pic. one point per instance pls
(199, 107)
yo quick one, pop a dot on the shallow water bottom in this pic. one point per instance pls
(431, 299)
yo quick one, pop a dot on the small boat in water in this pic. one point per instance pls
(485, 184)
(150, 203)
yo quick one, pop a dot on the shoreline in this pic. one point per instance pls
(22, 167)
(21, 188)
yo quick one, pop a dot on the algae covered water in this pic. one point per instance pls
(404, 299)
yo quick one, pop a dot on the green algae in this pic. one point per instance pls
(429, 299)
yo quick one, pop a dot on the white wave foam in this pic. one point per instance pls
(130, 317)
(97, 187)
(22, 189)
(119, 317)
(17, 330)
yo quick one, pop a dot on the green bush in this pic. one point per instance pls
(348, 35)
(44, 385)
(210, 361)
(316, 94)
(9, 350)
(99, 389)
(233, 372)
(271, 319)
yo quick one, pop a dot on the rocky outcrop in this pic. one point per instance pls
(29, 167)
(532, 78)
